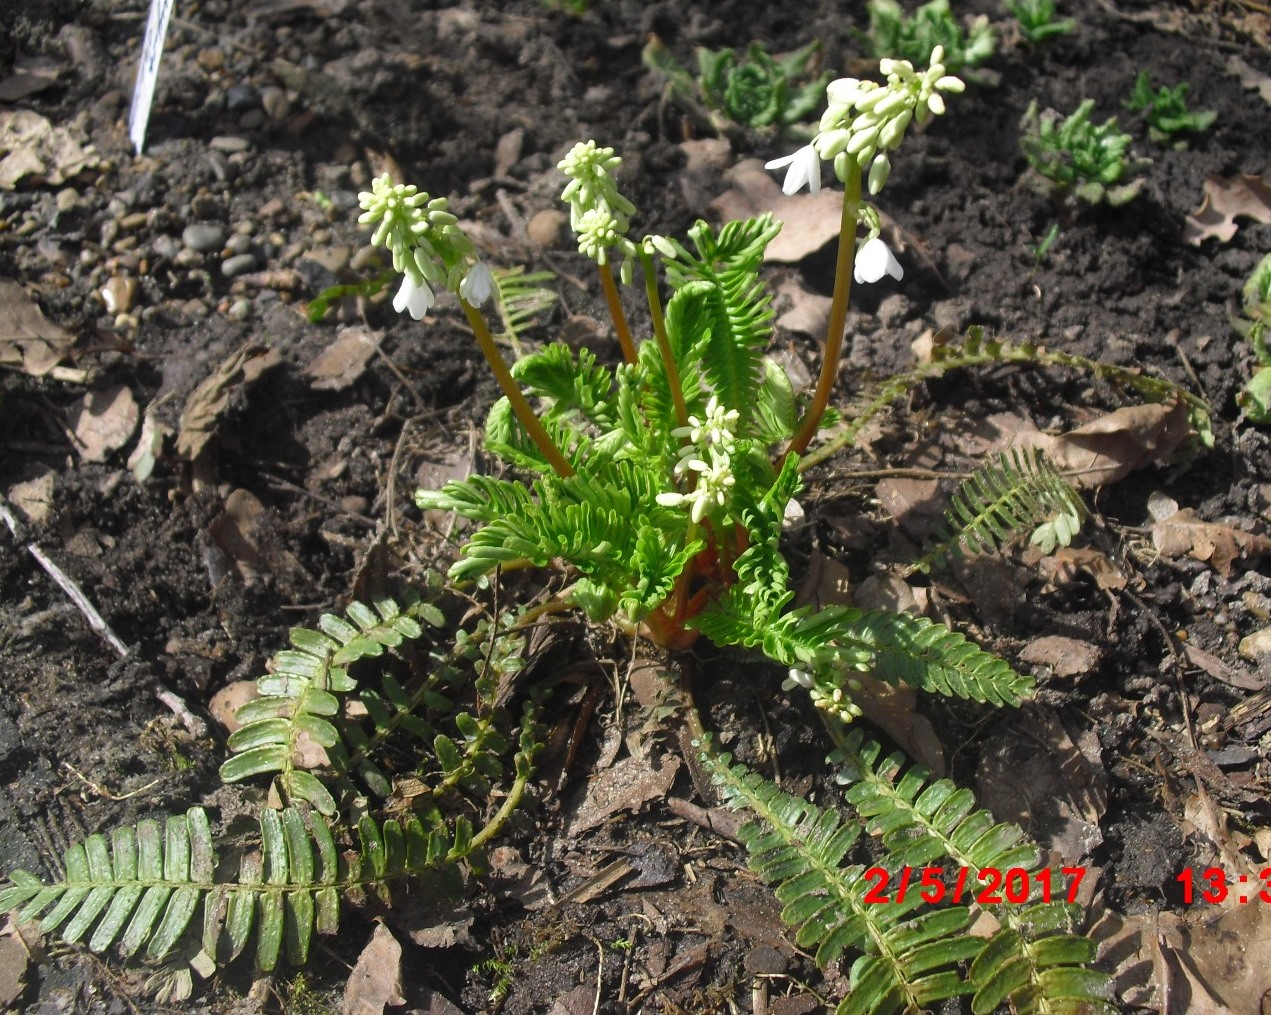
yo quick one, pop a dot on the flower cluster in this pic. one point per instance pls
(427, 245)
(708, 457)
(866, 120)
(598, 213)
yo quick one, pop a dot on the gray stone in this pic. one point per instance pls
(238, 265)
(203, 236)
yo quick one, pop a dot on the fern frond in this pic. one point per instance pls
(299, 697)
(976, 351)
(737, 305)
(909, 962)
(573, 384)
(519, 297)
(1034, 960)
(606, 523)
(838, 640)
(1018, 492)
(143, 886)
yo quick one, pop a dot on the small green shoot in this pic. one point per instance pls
(1037, 20)
(1081, 159)
(1255, 399)
(914, 38)
(1042, 249)
(1166, 112)
(321, 304)
(753, 89)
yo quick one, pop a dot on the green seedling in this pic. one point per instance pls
(1037, 19)
(1255, 325)
(1081, 159)
(753, 89)
(892, 34)
(1166, 112)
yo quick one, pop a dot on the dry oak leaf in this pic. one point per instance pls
(1113, 446)
(210, 399)
(28, 340)
(1220, 544)
(376, 980)
(1226, 199)
(809, 221)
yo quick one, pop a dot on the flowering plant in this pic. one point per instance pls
(662, 486)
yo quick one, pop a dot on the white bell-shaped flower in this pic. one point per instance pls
(414, 297)
(477, 285)
(874, 259)
(804, 169)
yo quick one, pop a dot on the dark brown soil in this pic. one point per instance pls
(323, 96)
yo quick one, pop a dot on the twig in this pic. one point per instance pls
(195, 726)
(64, 582)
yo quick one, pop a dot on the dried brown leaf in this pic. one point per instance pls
(376, 980)
(1065, 565)
(37, 151)
(1111, 447)
(1230, 954)
(103, 422)
(28, 340)
(1066, 657)
(627, 786)
(809, 221)
(1227, 199)
(1183, 534)
(209, 400)
(341, 363)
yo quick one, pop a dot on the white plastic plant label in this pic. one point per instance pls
(148, 71)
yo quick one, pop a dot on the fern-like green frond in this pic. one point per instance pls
(909, 961)
(140, 887)
(834, 642)
(144, 885)
(606, 523)
(575, 385)
(1019, 492)
(1034, 959)
(298, 698)
(519, 297)
(737, 306)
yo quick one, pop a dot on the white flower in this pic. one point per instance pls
(714, 481)
(415, 297)
(797, 678)
(874, 260)
(805, 168)
(719, 427)
(477, 285)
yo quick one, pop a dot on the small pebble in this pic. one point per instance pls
(211, 58)
(118, 294)
(238, 264)
(229, 145)
(240, 97)
(274, 102)
(253, 119)
(548, 229)
(166, 245)
(66, 199)
(1256, 646)
(239, 244)
(240, 310)
(203, 237)
(135, 220)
